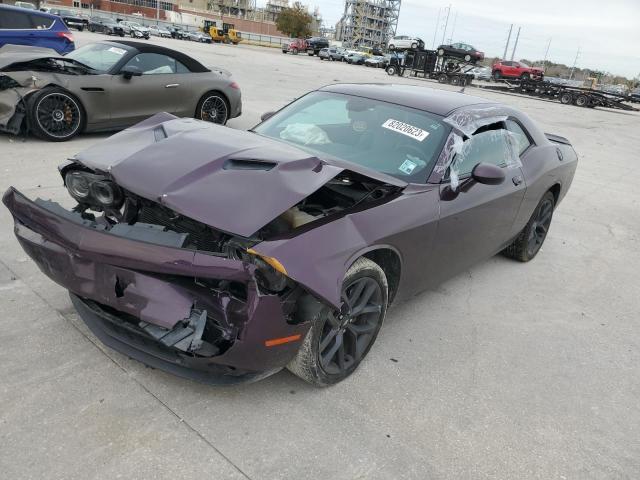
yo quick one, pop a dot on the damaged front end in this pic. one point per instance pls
(171, 291)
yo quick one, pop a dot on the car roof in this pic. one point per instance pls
(440, 102)
(26, 10)
(193, 65)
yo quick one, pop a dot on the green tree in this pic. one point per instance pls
(295, 21)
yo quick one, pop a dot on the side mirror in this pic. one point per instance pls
(129, 71)
(488, 174)
(267, 116)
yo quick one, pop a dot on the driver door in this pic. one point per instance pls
(163, 84)
(476, 219)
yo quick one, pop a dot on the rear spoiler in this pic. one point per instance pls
(557, 139)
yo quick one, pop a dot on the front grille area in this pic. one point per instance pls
(201, 237)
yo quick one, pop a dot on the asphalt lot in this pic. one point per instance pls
(508, 371)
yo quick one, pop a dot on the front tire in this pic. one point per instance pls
(529, 241)
(213, 107)
(496, 75)
(340, 339)
(55, 115)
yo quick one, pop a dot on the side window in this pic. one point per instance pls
(41, 22)
(490, 145)
(10, 20)
(521, 137)
(156, 64)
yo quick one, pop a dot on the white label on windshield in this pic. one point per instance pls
(406, 129)
(117, 50)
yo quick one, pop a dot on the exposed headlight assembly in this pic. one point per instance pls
(93, 190)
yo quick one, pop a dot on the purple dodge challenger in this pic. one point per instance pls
(225, 255)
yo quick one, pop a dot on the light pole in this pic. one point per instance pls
(453, 29)
(446, 23)
(504, 55)
(435, 32)
(546, 53)
(574, 63)
(515, 45)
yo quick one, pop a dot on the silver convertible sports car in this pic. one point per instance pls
(107, 85)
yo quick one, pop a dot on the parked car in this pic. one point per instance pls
(135, 29)
(463, 51)
(178, 33)
(159, 31)
(182, 265)
(134, 80)
(337, 53)
(315, 44)
(27, 5)
(197, 36)
(20, 26)
(510, 69)
(481, 73)
(355, 58)
(70, 18)
(379, 61)
(295, 46)
(105, 25)
(404, 42)
(324, 54)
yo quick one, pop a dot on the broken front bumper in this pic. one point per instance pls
(193, 314)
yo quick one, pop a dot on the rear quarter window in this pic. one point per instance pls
(40, 22)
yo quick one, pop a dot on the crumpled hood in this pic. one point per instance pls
(232, 180)
(10, 54)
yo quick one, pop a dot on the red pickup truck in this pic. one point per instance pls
(295, 46)
(506, 69)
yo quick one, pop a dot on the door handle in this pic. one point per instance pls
(172, 85)
(517, 180)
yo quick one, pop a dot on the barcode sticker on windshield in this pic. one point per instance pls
(406, 129)
(117, 50)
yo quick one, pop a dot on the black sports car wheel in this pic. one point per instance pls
(528, 243)
(441, 52)
(467, 58)
(340, 339)
(55, 114)
(525, 76)
(496, 75)
(213, 107)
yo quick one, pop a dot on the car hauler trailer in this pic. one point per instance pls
(429, 64)
(565, 94)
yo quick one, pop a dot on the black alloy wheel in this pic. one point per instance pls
(340, 339)
(347, 334)
(213, 108)
(529, 241)
(55, 115)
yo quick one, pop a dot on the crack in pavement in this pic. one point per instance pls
(123, 369)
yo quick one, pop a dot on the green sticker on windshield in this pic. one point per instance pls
(407, 167)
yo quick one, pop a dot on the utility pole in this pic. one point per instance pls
(504, 55)
(455, 19)
(157, 10)
(574, 63)
(546, 53)
(515, 45)
(433, 45)
(446, 23)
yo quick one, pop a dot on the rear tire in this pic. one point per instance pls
(467, 58)
(339, 340)
(566, 98)
(55, 115)
(443, 78)
(529, 241)
(441, 52)
(582, 101)
(525, 76)
(213, 107)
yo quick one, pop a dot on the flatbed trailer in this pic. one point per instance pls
(428, 64)
(567, 95)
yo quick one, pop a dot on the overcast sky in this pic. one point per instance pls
(607, 31)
